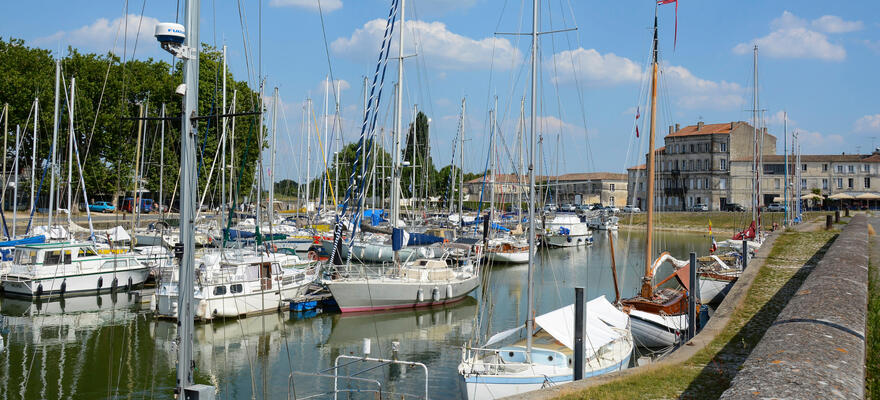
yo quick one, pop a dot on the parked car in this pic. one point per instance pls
(700, 207)
(128, 202)
(775, 207)
(568, 207)
(631, 209)
(550, 207)
(612, 209)
(102, 206)
(733, 207)
(584, 208)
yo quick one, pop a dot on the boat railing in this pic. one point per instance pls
(486, 361)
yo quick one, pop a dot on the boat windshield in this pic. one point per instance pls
(25, 257)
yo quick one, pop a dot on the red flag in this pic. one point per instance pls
(662, 2)
(638, 114)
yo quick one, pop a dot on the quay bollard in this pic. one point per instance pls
(846, 212)
(693, 291)
(745, 254)
(579, 306)
(828, 223)
(836, 216)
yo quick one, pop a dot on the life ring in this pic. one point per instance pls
(312, 255)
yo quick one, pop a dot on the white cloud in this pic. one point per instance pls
(693, 92)
(835, 24)
(819, 143)
(868, 123)
(106, 35)
(326, 5)
(793, 39)
(340, 84)
(593, 68)
(778, 118)
(549, 125)
(440, 7)
(441, 48)
(874, 46)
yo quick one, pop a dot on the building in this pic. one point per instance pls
(605, 188)
(826, 175)
(693, 166)
(636, 185)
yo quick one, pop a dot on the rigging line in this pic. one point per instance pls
(578, 84)
(326, 48)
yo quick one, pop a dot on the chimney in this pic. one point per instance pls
(700, 125)
(764, 131)
(677, 128)
(670, 129)
(731, 125)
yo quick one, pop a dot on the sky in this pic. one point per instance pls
(817, 64)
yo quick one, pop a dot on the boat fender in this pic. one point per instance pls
(63, 286)
(130, 283)
(435, 294)
(39, 290)
(448, 291)
(568, 238)
(420, 296)
(114, 284)
(100, 282)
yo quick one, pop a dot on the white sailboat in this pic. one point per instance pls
(417, 283)
(565, 230)
(546, 355)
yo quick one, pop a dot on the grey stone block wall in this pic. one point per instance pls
(816, 347)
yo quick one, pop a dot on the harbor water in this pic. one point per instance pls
(109, 347)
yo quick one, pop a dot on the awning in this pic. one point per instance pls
(841, 196)
(868, 196)
(811, 196)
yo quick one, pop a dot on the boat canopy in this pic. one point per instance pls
(9, 245)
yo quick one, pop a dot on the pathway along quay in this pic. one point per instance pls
(804, 279)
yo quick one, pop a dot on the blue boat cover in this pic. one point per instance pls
(239, 234)
(7, 247)
(421, 239)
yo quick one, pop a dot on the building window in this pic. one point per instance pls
(722, 183)
(824, 167)
(851, 169)
(803, 167)
(866, 168)
(706, 183)
(640, 186)
(723, 146)
(803, 183)
(867, 183)
(776, 181)
(699, 165)
(692, 148)
(723, 164)
(840, 169)
(612, 200)
(849, 183)
(699, 183)
(840, 183)
(612, 187)
(825, 184)
(690, 164)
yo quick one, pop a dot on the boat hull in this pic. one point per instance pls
(713, 290)
(359, 295)
(651, 334)
(567, 240)
(514, 257)
(75, 285)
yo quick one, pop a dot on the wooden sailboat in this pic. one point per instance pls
(659, 316)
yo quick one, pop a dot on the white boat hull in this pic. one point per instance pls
(385, 294)
(513, 257)
(567, 240)
(651, 334)
(98, 282)
(712, 291)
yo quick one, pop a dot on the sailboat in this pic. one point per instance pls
(416, 283)
(658, 315)
(546, 355)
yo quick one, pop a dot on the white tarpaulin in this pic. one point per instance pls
(674, 322)
(56, 232)
(560, 324)
(118, 234)
(605, 311)
(503, 335)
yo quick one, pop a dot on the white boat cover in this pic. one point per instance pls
(57, 232)
(672, 322)
(118, 234)
(601, 315)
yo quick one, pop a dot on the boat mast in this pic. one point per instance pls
(34, 153)
(272, 162)
(461, 166)
(530, 315)
(222, 153)
(647, 281)
(232, 149)
(162, 165)
(395, 169)
(785, 151)
(54, 142)
(69, 157)
(15, 189)
(188, 184)
(308, 152)
(755, 182)
(522, 122)
(494, 166)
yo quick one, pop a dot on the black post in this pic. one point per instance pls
(846, 211)
(693, 292)
(828, 223)
(745, 254)
(836, 216)
(579, 320)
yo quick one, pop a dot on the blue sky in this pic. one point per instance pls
(818, 61)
